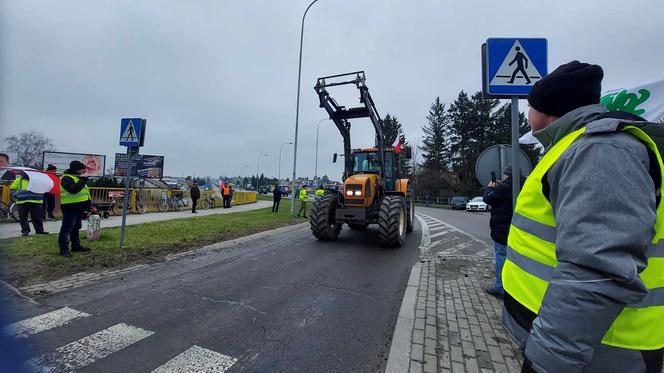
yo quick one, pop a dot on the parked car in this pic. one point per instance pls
(477, 204)
(459, 203)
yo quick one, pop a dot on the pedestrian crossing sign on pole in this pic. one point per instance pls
(132, 132)
(513, 65)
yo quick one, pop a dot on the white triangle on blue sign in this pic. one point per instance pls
(517, 69)
(129, 134)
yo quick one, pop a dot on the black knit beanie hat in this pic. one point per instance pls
(76, 165)
(568, 87)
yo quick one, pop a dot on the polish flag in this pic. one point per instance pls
(221, 184)
(40, 181)
(397, 148)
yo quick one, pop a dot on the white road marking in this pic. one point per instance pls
(197, 360)
(425, 243)
(441, 233)
(38, 324)
(87, 350)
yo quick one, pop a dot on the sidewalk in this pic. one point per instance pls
(447, 323)
(14, 229)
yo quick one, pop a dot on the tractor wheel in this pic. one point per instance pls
(392, 219)
(410, 205)
(323, 219)
(358, 227)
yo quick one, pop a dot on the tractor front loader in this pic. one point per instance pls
(372, 192)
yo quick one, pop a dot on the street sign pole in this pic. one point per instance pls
(510, 68)
(516, 170)
(125, 202)
(132, 135)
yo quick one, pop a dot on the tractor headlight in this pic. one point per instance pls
(349, 192)
(358, 192)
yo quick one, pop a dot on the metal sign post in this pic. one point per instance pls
(132, 135)
(131, 151)
(516, 170)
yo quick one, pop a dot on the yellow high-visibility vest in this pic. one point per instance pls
(67, 198)
(531, 255)
(23, 195)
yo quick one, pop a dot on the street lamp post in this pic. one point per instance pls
(258, 165)
(297, 110)
(317, 129)
(241, 179)
(280, 147)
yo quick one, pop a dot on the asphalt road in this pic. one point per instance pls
(474, 223)
(281, 303)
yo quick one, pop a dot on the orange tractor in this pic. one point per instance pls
(373, 192)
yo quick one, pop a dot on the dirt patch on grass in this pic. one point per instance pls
(25, 270)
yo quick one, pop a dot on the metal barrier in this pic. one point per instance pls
(434, 201)
(152, 197)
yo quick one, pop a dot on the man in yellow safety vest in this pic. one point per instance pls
(584, 275)
(28, 203)
(74, 201)
(303, 197)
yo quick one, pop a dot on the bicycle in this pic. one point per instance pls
(175, 202)
(9, 211)
(117, 200)
(209, 202)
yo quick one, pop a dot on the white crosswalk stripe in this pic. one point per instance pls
(38, 324)
(89, 349)
(197, 360)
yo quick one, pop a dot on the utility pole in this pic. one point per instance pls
(297, 110)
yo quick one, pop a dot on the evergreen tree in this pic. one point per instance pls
(392, 129)
(404, 167)
(435, 150)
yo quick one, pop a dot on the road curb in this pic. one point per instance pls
(413, 347)
(399, 357)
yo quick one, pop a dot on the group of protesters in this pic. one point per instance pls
(74, 202)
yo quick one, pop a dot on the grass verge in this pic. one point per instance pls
(35, 259)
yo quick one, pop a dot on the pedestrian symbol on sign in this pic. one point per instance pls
(129, 134)
(520, 60)
(517, 68)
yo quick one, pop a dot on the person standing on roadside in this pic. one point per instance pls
(49, 198)
(28, 203)
(303, 196)
(584, 272)
(74, 202)
(498, 195)
(276, 198)
(195, 194)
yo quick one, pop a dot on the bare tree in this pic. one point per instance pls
(29, 147)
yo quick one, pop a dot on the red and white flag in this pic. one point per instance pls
(397, 148)
(40, 181)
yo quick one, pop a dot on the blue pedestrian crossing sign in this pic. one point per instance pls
(514, 65)
(132, 132)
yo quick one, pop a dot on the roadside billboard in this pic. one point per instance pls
(143, 165)
(95, 164)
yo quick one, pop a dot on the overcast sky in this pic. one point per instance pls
(216, 80)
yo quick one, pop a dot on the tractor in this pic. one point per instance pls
(372, 192)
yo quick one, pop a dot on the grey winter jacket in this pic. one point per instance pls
(603, 198)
